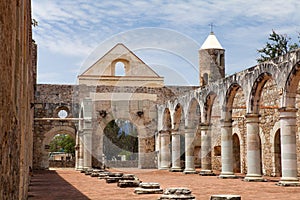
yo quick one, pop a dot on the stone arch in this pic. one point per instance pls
(117, 141)
(167, 122)
(236, 153)
(178, 117)
(228, 101)
(256, 90)
(291, 86)
(193, 114)
(49, 136)
(208, 104)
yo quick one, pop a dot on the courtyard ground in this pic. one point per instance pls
(61, 184)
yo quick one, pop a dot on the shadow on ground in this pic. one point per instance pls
(48, 185)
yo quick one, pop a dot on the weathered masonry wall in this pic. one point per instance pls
(17, 79)
(50, 99)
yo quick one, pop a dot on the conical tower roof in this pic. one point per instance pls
(211, 42)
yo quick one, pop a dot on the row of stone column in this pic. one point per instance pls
(288, 149)
(288, 130)
(165, 154)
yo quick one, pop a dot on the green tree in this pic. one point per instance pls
(278, 45)
(63, 143)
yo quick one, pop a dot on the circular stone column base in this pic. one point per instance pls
(227, 176)
(189, 171)
(176, 169)
(207, 173)
(286, 182)
(254, 178)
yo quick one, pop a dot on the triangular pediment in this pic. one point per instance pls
(135, 70)
(103, 66)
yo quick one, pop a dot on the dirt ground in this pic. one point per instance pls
(70, 184)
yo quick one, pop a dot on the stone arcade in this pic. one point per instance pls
(243, 123)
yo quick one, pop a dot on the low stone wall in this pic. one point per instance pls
(61, 164)
(125, 164)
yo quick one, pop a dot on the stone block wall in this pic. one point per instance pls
(17, 79)
(49, 100)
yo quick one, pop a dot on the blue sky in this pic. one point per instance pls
(72, 34)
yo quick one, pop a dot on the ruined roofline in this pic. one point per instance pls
(107, 53)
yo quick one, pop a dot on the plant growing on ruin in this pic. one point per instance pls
(277, 45)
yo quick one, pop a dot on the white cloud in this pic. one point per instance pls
(76, 27)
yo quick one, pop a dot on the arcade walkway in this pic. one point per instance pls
(64, 184)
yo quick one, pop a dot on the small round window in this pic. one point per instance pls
(62, 114)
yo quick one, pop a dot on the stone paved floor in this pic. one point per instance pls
(70, 184)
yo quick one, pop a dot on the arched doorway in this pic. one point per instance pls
(61, 151)
(48, 138)
(120, 144)
(277, 153)
(236, 154)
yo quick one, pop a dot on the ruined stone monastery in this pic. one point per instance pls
(246, 123)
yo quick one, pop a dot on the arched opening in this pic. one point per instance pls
(58, 148)
(235, 111)
(120, 144)
(61, 151)
(120, 69)
(277, 153)
(194, 119)
(178, 139)
(291, 100)
(236, 154)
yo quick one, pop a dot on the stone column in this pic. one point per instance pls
(165, 149)
(253, 150)
(206, 168)
(189, 151)
(87, 150)
(176, 152)
(288, 131)
(79, 145)
(226, 150)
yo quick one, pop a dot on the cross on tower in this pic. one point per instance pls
(211, 27)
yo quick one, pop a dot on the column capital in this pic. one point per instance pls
(252, 117)
(287, 109)
(288, 113)
(175, 132)
(226, 123)
(164, 132)
(205, 126)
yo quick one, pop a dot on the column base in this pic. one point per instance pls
(79, 168)
(164, 168)
(254, 178)
(175, 169)
(207, 173)
(227, 175)
(289, 182)
(189, 171)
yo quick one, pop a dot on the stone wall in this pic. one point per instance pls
(17, 79)
(49, 100)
